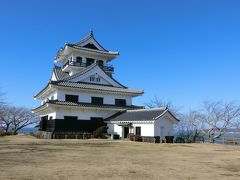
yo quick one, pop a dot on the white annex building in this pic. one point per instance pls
(82, 95)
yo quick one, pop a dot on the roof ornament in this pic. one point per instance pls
(91, 32)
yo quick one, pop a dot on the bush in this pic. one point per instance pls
(5, 133)
(179, 140)
(100, 132)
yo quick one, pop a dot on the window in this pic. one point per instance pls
(92, 78)
(97, 100)
(89, 61)
(138, 131)
(71, 98)
(79, 60)
(70, 118)
(95, 79)
(96, 118)
(98, 79)
(100, 63)
(120, 102)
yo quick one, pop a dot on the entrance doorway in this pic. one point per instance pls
(126, 132)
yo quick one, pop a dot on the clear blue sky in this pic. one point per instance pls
(185, 51)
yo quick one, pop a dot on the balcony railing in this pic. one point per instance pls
(108, 68)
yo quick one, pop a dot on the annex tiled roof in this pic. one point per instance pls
(139, 115)
(80, 104)
(92, 86)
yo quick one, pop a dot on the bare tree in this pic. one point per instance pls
(5, 118)
(190, 126)
(219, 116)
(13, 119)
(196, 120)
(157, 102)
(2, 112)
(22, 117)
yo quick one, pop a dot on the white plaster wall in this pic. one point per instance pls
(165, 124)
(86, 97)
(102, 80)
(82, 114)
(118, 130)
(87, 55)
(146, 129)
(54, 94)
(53, 114)
(96, 71)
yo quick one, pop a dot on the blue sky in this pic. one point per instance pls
(182, 51)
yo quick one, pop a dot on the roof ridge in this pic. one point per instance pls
(89, 36)
(150, 109)
(88, 69)
(59, 73)
(95, 87)
(81, 72)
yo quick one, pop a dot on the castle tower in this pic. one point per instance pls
(82, 92)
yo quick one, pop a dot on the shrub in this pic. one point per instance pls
(3, 133)
(100, 132)
(179, 140)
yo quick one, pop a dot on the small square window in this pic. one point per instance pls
(92, 78)
(98, 79)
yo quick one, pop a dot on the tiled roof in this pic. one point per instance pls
(83, 71)
(80, 104)
(89, 37)
(78, 46)
(59, 73)
(92, 50)
(92, 86)
(139, 115)
(88, 69)
(64, 80)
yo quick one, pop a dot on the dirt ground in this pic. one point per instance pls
(24, 157)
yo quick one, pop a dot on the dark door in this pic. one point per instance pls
(43, 123)
(138, 131)
(126, 132)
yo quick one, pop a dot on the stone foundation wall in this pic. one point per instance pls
(44, 135)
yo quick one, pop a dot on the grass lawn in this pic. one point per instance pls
(24, 157)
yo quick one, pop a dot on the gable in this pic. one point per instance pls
(96, 79)
(167, 116)
(96, 72)
(90, 46)
(90, 43)
(53, 77)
